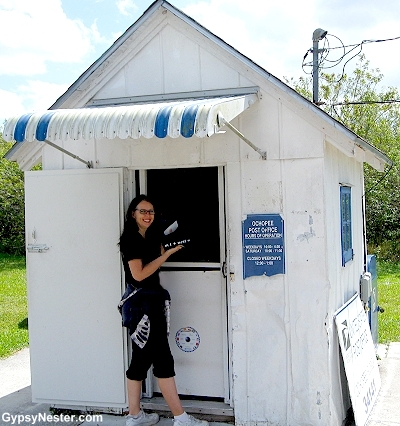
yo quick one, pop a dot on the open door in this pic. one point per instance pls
(73, 224)
(194, 199)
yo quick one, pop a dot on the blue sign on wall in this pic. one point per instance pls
(263, 245)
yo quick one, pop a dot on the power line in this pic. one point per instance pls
(389, 101)
(364, 42)
(326, 49)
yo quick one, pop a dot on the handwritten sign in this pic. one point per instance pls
(263, 245)
(359, 358)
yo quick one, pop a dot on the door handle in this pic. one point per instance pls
(37, 248)
(224, 269)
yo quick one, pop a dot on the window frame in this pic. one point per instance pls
(346, 224)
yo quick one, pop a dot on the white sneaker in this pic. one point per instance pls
(143, 420)
(191, 422)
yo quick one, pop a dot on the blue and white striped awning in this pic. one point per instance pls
(180, 118)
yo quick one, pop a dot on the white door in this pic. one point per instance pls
(76, 340)
(198, 335)
(193, 276)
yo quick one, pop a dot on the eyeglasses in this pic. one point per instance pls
(144, 211)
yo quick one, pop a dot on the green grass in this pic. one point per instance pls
(389, 299)
(13, 305)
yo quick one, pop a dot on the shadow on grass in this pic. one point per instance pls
(23, 324)
(9, 262)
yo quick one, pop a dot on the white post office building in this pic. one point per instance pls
(268, 188)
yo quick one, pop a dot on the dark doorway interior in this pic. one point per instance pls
(190, 197)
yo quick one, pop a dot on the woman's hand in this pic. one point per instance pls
(173, 250)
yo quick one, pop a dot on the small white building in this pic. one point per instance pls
(276, 229)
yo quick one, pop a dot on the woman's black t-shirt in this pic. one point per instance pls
(135, 246)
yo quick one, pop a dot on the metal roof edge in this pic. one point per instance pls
(9, 155)
(362, 143)
(26, 155)
(336, 124)
(381, 155)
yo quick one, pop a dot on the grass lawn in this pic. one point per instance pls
(13, 305)
(389, 299)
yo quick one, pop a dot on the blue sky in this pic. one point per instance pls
(45, 45)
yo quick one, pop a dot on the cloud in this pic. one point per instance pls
(24, 64)
(33, 96)
(265, 31)
(125, 6)
(276, 34)
(358, 17)
(40, 95)
(35, 32)
(11, 104)
(360, 20)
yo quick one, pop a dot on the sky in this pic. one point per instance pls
(45, 45)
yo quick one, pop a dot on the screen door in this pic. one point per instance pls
(191, 201)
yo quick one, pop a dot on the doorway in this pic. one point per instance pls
(192, 201)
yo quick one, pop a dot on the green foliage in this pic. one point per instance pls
(13, 305)
(389, 299)
(378, 123)
(12, 222)
(388, 251)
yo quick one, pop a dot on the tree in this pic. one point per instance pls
(12, 218)
(365, 107)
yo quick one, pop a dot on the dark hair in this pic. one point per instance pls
(130, 224)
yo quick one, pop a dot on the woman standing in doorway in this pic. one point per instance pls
(142, 256)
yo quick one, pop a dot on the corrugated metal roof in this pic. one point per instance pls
(184, 118)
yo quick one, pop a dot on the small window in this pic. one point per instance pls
(345, 215)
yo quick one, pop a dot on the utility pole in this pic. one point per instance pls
(318, 35)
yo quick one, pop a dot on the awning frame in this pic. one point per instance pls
(89, 164)
(223, 122)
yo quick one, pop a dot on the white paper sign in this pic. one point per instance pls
(171, 228)
(359, 358)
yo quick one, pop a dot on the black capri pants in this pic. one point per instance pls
(156, 352)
